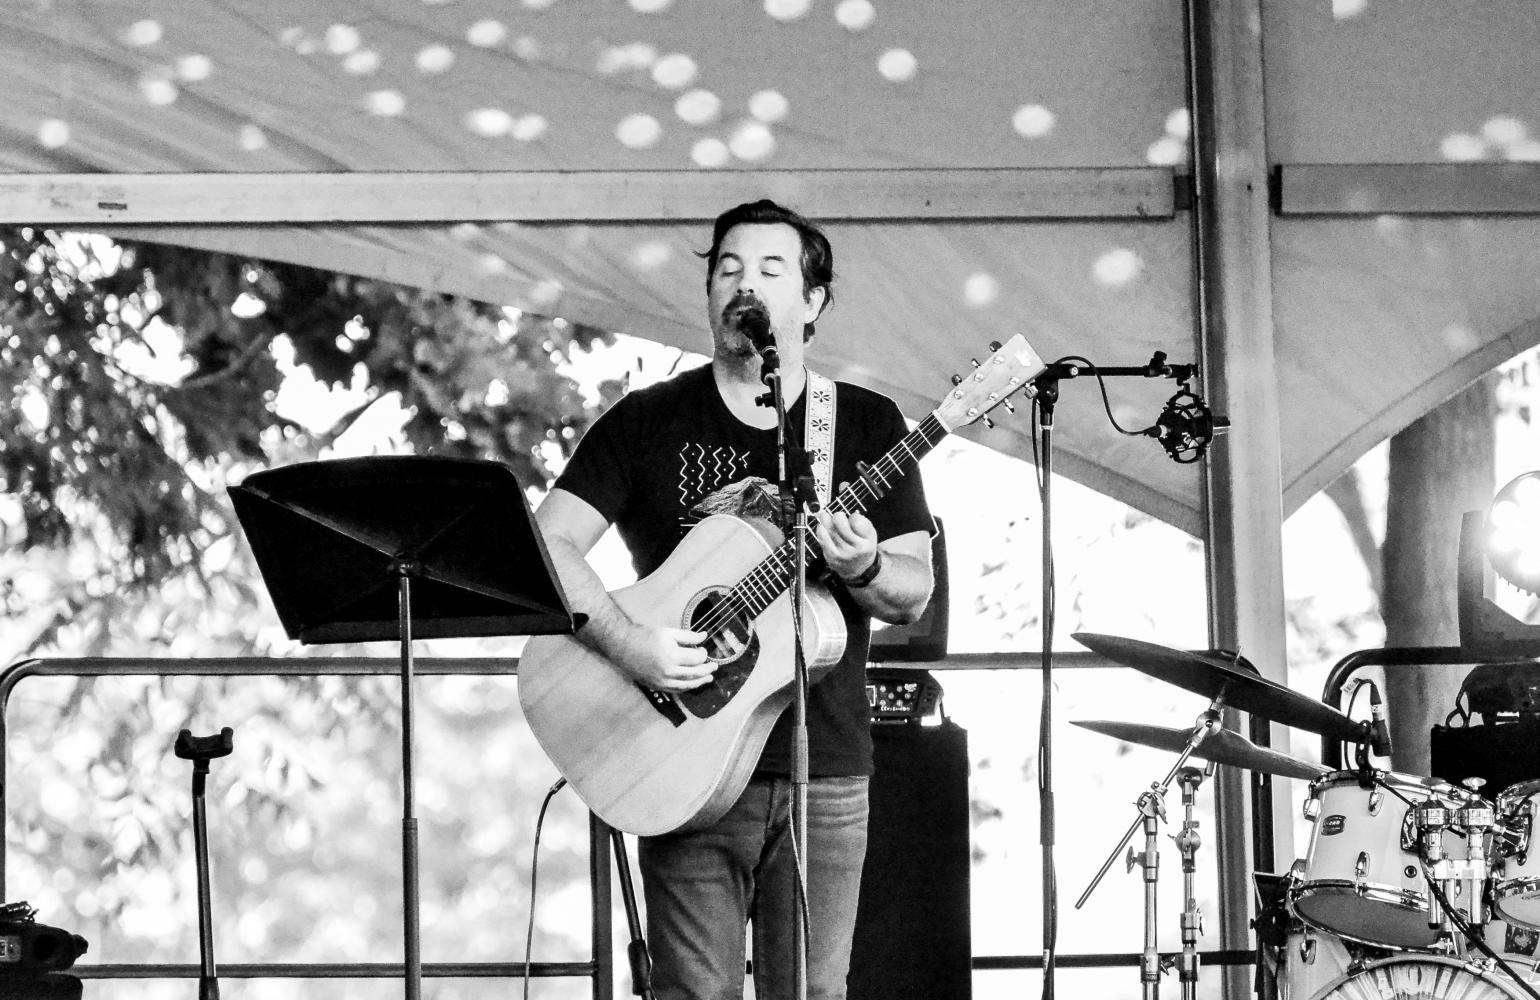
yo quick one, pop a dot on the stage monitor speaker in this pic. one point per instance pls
(914, 939)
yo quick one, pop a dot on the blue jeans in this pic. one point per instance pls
(703, 886)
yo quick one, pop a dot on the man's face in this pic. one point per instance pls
(761, 262)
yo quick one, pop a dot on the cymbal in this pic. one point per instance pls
(1213, 677)
(1221, 746)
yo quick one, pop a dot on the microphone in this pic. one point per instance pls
(754, 323)
(1186, 426)
(1379, 729)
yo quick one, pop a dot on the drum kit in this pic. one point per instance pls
(1412, 888)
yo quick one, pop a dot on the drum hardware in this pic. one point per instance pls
(1152, 809)
(1188, 842)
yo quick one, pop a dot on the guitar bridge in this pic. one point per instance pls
(664, 703)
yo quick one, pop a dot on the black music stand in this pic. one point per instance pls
(389, 547)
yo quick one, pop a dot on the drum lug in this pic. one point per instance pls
(1376, 800)
(1362, 867)
(1312, 809)
(1307, 951)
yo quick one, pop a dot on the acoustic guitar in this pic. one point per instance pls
(650, 762)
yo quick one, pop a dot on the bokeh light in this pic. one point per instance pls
(157, 87)
(194, 68)
(486, 34)
(981, 289)
(362, 63)
(1116, 268)
(752, 141)
(651, 255)
(53, 133)
(142, 33)
(251, 137)
(674, 71)
(342, 39)
(769, 106)
(650, 6)
(1462, 147)
(897, 65)
(1179, 124)
(385, 103)
(698, 107)
(529, 127)
(639, 131)
(435, 59)
(855, 15)
(1032, 121)
(787, 10)
(1341, 10)
(489, 122)
(710, 153)
(1167, 151)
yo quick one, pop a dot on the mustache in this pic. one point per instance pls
(744, 307)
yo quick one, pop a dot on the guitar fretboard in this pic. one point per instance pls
(770, 578)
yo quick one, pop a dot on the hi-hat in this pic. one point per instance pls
(1214, 678)
(1220, 746)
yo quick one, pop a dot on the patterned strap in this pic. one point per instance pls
(819, 438)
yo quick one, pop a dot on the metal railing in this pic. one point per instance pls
(600, 968)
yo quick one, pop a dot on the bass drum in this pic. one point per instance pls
(1425, 977)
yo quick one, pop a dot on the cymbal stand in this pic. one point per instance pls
(1152, 808)
(1188, 842)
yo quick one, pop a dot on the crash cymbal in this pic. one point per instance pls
(1221, 746)
(1213, 677)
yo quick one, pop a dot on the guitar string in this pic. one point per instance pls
(769, 579)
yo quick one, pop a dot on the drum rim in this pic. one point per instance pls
(1374, 893)
(1396, 779)
(1519, 790)
(1504, 987)
(1509, 887)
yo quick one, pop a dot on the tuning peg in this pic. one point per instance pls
(1009, 406)
(957, 380)
(988, 423)
(994, 345)
(974, 362)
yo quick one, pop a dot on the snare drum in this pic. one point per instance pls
(1363, 877)
(1423, 977)
(1516, 883)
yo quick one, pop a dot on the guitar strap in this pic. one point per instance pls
(818, 436)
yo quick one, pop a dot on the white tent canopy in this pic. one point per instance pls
(1003, 170)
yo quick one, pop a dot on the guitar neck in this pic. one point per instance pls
(768, 580)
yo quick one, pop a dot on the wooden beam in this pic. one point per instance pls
(1409, 189)
(574, 196)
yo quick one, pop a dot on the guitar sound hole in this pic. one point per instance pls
(731, 643)
(728, 631)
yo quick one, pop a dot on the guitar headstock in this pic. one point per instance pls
(1005, 372)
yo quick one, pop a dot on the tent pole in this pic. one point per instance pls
(1243, 493)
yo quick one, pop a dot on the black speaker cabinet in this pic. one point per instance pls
(913, 937)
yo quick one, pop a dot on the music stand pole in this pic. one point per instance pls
(1047, 396)
(412, 930)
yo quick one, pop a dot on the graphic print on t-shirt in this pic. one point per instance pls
(703, 471)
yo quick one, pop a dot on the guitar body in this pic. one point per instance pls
(646, 769)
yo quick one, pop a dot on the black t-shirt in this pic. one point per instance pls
(658, 452)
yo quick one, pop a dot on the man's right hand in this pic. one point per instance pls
(667, 659)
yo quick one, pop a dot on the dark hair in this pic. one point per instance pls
(817, 254)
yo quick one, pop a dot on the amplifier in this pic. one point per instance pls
(901, 696)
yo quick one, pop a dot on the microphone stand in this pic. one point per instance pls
(1047, 396)
(797, 494)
